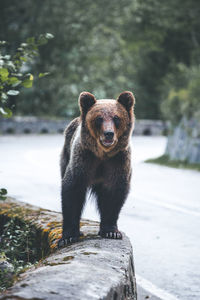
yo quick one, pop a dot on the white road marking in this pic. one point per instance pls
(170, 206)
(154, 290)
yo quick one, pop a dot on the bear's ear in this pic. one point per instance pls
(127, 100)
(86, 100)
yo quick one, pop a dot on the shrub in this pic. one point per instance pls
(183, 98)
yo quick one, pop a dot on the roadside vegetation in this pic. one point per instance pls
(164, 160)
(17, 238)
(18, 250)
(15, 74)
(14, 70)
(183, 98)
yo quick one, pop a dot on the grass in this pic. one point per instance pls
(17, 248)
(164, 160)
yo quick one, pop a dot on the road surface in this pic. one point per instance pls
(161, 215)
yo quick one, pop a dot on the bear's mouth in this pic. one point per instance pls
(106, 142)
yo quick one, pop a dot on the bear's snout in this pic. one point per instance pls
(107, 139)
(109, 135)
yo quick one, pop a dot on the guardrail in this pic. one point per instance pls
(34, 125)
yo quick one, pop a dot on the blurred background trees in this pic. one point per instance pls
(148, 46)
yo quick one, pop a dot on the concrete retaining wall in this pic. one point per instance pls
(150, 127)
(27, 125)
(184, 143)
(93, 268)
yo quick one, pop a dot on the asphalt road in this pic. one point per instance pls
(161, 215)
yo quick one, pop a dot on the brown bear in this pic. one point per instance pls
(96, 156)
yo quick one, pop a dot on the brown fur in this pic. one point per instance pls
(107, 109)
(96, 155)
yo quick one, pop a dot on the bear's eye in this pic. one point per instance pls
(98, 121)
(116, 121)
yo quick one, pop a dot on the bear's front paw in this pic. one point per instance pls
(111, 234)
(67, 241)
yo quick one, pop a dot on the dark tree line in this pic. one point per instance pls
(147, 46)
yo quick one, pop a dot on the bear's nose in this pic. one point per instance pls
(108, 134)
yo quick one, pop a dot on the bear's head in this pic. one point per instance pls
(108, 120)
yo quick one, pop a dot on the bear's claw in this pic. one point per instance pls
(67, 241)
(64, 241)
(111, 235)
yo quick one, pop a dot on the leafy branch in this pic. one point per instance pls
(13, 74)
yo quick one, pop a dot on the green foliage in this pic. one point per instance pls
(12, 76)
(18, 242)
(164, 160)
(3, 194)
(87, 53)
(135, 46)
(183, 94)
(165, 34)
(5, 278)
(18, 247)
(71, 31)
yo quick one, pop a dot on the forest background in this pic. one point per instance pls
(150, 47)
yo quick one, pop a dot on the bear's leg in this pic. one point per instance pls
(110, 202)
(64, 162)
(73, 198)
